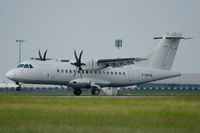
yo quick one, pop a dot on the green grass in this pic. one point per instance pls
(148, 114)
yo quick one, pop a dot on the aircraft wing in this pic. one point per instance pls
(119, 62)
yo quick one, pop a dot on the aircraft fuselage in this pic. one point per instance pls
(63, 73)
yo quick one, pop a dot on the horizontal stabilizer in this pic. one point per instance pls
(173, 35)
(185, 38)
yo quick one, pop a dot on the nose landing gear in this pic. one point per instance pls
(95, 91)
(18, 88)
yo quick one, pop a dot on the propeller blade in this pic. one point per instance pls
(40, 56)
(80, 56)
(44, 57)
(83, 64)
(76, 56)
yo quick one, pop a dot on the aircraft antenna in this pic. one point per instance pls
(19, 42)
(118, 45)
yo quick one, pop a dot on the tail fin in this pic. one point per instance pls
(163, 56)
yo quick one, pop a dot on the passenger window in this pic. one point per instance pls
(30, 66)
(70, 71)
(119, 73)
(66, 71)
(115, 73)
(111, 73)
(123, 73)
(86, 72)
(99, 72)
(90, 72)
(58, 70)
(107, 72)
(62, 70)
(26, 66)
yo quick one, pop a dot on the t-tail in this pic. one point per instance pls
(163, 56)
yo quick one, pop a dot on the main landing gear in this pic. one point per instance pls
(19, 88)
(94, 91)
(77, 92)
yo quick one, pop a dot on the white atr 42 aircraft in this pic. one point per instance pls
(95, 74)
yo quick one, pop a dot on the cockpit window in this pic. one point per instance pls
(20, 66)
(25, 66)
(30, 66)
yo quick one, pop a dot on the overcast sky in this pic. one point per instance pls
(93, 25)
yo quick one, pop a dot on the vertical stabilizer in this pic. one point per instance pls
(163, 56)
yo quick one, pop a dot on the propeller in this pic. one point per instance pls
(78, 62)
(42, 58)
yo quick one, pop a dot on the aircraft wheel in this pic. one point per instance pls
(18, 88)
(77, 92)
(95, 92)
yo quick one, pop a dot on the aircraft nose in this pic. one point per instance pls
(10, 75)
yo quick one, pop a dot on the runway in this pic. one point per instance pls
(87, 94)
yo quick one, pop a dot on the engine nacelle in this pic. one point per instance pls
(72, 61)
(80, 83)
(88, 83)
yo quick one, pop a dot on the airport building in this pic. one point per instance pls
(183, 82)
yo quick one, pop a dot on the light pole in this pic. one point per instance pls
(118, 44)
(20, 42)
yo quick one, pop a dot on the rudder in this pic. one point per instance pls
(163, 56)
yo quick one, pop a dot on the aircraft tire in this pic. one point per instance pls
(18, 88)
(77, 92)
(95, 92)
